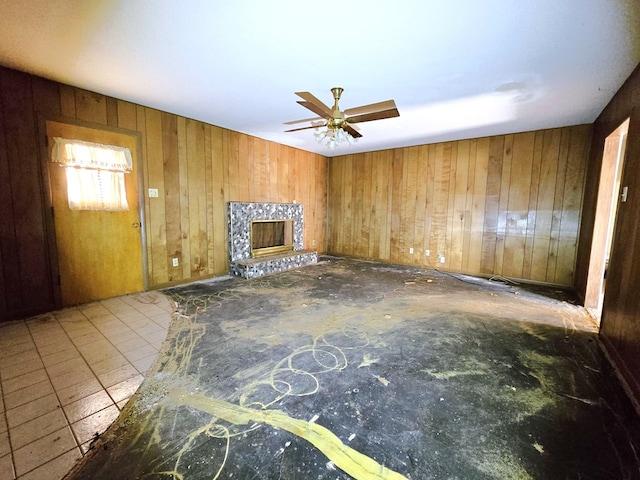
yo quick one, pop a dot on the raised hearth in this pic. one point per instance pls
(240, 217)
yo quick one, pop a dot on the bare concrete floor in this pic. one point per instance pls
(352, 369)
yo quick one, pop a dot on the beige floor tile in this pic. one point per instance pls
(123, 403)
(152, 311)
(37, 428)
(31, 410)
(67, 314)
(118, 375)
(5, 446)
(158, 337)
(23, 381)
(43, 339)
(69, 372)
(61, 356)
(13, 349)
(123, 337)
(73, 345)
(27, 394)
(59, 346)
(18, 358)
(108, 364)
(56, 468)
(87, 406)
(125, 389)
(115, 331)
(68, 366)
(6, 468)
(131, 342)
(134, 317)
(86, 428)
(141, 352)
(42, 322)
(11, 330)
(105, 319)
(43, 450)
(94, 311)
(42, 329)
(144, 364)
(164, 320)
(21, 368)
(80, 390)
(98, 351)
(151, 329)
(90, 337)
(77, 327)
(72, 378)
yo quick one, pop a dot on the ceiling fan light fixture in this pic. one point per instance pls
(337, 126)
(320, 135)
(334, 135)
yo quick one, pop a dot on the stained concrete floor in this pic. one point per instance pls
(352, 369)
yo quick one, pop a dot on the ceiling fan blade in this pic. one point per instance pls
(368, 117)
(303, 128)
(315, 109)
(314, 119)
(310, 98)
(373, 107)
(352, 131)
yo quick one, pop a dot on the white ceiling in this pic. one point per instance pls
(456, 70)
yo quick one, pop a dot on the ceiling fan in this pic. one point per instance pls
(340, 124)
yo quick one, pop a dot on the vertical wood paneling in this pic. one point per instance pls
(196, 168)
(620, 332)
(26, 276)
(219, 237)
(487, 205)
(517, 214)
(571, 205)
(171, 178)
(479, 174)
(156, 221)
(91, 107)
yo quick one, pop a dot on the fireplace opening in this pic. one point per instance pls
(271, 236)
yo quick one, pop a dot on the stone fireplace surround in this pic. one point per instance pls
(239, 217)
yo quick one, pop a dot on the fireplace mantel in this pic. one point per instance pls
(239, 218)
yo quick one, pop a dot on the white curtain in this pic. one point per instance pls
(95, 174)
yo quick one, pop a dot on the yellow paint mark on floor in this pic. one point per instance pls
(352, 462)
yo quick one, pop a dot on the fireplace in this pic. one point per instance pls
(266, 238)
(271, 236)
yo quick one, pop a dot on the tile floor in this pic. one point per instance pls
(66, 375)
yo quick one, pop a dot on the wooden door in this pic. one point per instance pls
(99, 252)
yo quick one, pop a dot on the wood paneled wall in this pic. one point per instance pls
(620, 324)
(507, 205)
(196, 167)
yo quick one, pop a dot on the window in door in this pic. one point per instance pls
(95, 174)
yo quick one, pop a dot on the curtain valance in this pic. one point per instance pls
(81, 154)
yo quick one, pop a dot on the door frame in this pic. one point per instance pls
(50, 230)
(606, 213)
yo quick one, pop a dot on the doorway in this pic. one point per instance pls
(99, 252)
(609, 195)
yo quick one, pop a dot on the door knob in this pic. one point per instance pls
(135, 224)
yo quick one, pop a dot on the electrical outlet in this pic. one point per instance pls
(174, 261)
(313, 243)
(441, 258)
(153, 193)
(411, 251)
(427, 253)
